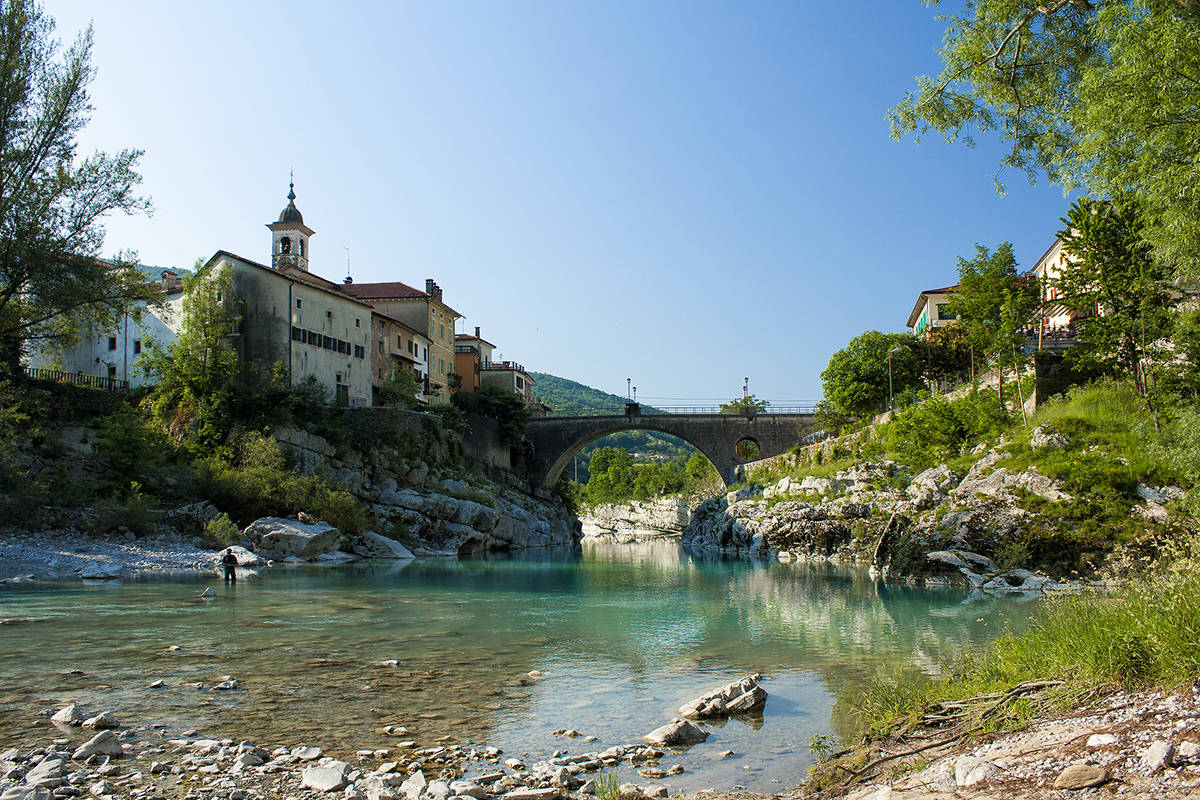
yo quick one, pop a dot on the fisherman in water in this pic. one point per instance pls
(230, 561)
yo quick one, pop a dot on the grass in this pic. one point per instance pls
(607, 785)
(1143, 634)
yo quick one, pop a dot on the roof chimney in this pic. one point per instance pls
(347, 280)
(432, 289)
(476, 331)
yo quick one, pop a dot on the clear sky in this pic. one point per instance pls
(684, 193)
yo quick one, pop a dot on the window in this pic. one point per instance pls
(301, 245)
(328, 314)
(520, 382)
(112, 370)
(112, 343)
(360, 351)
(327, 342)
(399, 341)
(381, 345)
(356, 322)
(297, 334)
(441, 367)
(298, 302)
(137, 346)
(441, 331)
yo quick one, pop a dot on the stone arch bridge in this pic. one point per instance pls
(557, 440)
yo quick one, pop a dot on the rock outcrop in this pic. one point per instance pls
(664, 518)
(278, 538)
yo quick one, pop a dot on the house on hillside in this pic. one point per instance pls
(929, 312)
(511, 376)
(114, 354)
(1055, 322)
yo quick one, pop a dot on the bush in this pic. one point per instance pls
(221, 532)
(936, 430)
(504, 406)
(257, 483)
(128, 508)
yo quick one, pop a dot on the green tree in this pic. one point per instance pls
(197, 373)
(702, 477)
(744, 405)
(856, 379)
(610, 476)
(994, 303)
(1095, 94)
(948, 352)
(52, 285)
(400, 388)
(1113, 270)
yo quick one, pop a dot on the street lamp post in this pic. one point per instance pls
(745, 388)
(628, 396)
(891, 394)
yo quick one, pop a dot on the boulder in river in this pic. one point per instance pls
(104, 743)
(71, 715)
(374, 545)
(676, 733)
(738, 697)
(275, 537)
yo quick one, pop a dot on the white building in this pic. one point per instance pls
(115, 354)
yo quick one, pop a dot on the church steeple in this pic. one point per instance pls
(289, 236)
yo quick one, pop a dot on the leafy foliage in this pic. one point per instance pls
(994, 303)
(500, 404)
(856, 381)
(52, 285)
(936, 430)
(1114, 270)
(616, 478)
(744, 405)
(400, 389)
(1096, 95)
(196, 375)
(257, 482)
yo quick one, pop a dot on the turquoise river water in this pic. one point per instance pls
(621, 636)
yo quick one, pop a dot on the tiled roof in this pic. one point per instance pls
(390, 290)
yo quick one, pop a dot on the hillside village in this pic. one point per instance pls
(349, 337)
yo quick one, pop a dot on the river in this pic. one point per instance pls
(620, 636)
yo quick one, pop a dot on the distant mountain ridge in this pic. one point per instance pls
(566, 396)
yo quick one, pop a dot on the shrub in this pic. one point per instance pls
(257, 483)
(128, 508)
(221, 532)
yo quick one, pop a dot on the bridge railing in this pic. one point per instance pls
(647, 411)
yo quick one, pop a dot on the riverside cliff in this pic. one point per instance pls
(636, 521)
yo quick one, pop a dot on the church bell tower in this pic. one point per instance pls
(290, 236)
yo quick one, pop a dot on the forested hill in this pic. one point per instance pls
(567, 396)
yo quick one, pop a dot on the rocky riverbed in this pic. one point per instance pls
(89, 753)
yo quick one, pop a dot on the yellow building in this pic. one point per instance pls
(426, 313)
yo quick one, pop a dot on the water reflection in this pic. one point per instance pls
(621, 636)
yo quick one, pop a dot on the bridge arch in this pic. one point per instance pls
(557, 440)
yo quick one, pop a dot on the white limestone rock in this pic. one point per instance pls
(374, 545)
(104, 743)
(278, 538)
(970, 771)
(328, 777)
(676, 733)
(70, 715)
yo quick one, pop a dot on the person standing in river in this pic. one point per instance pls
(229, 560)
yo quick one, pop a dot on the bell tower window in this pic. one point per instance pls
(285, 245)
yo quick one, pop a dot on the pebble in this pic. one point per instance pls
(1080, 776)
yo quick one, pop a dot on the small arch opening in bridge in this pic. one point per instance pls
(747, 449)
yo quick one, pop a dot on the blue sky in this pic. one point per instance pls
(684, 193)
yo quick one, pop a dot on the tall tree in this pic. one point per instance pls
(856, 380)
(1096, 94)
(1114, 281)
(52, 285)
(197, 374)
(994, 303)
